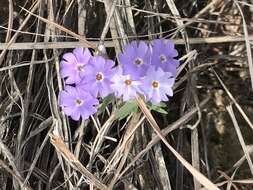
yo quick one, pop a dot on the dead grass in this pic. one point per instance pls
(205, 140)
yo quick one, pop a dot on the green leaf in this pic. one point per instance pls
(162, 105)
(159, 108)
(128, 108)
(107, 100)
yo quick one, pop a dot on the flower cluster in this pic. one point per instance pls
(144, 69)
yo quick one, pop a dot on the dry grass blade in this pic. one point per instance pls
(10, 22)
(73, 161)
(110, 11)
(247, 43)
(230, 183)
(175, 12)
(108, 43)
(14, 37)
(200, 177)
(127, 146)
(79, 137)
(245, 181)
(243, 158)
(100, 138)
(82, 12)
(15, 175)
(234, 101)
(165, 132)
(45, 124)
(114, 22)
(204, 10)
(195, 153)
(55, 25)
(120, 148)
(6, 153)
(38, 153)
(240, 137)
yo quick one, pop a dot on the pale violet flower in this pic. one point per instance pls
(163, 55)
(135, 59)
(124, 85)
(97, 79)
(76, 103)
(72, 66)
(157, 85)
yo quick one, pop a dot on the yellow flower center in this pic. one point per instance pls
(138, 61)
(128, 82)
(155, 84)
(163, 58)
(79, 102)
(99, 76)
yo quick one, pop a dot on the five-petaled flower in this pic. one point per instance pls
(97, 78)
(73, 65)
(135, 59)
(157, 85)
(124, 85)
(163, 55)
(76, 103)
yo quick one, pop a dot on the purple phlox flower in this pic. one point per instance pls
(135, 59)
(124, 85)
(98, 77)
(163, 54)
(72, 65)
(156, 85)
(76, 103)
